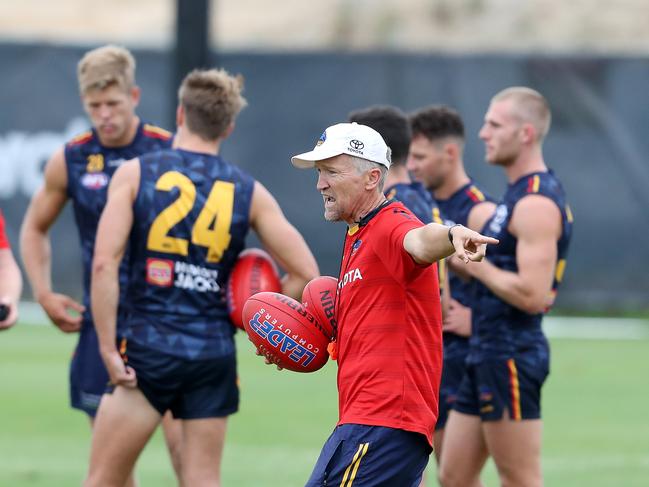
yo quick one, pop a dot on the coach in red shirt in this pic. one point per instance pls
(389, 337)
(11, 282)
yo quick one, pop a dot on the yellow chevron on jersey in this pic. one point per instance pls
(437, 216)
(561, 267)
(153, 130)
(569, 214)
(477, 193)
(81, 138)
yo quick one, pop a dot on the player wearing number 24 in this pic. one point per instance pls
(185, 213)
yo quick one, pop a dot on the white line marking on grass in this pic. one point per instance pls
(596, 328)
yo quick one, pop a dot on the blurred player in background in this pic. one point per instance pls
(394, 127)
(80, 171)
(436, 161)
(186, 212)
(389, 334)
(498, 410)
(11, 281)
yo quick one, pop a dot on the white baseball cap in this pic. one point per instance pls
(346, 138)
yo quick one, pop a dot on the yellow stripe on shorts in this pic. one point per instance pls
(515, 390)
(353, 466)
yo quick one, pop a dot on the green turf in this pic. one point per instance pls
(595, 406)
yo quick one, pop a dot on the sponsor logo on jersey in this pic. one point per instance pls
(116, 162)
(94, 180)
(500, 215)
(196, 278)
(348, 277)
(160, 272)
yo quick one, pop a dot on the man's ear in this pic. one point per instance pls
(135, 95)
(228, 130)
(528, 133)
(180, 116)
(451, 150)
(373, 178)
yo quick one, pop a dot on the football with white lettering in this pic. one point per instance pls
(253, 273)
(285, 332)
(318, 298)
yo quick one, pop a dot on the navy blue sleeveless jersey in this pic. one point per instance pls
(191, 218)
(418, 200)
(456, 209)
(501, 330)
(90, 166)
(414, 197)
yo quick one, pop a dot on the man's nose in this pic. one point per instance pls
(104, 111)
(322, 182)
(410, 164)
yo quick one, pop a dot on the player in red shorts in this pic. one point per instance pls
(389, 335)
(11, 282)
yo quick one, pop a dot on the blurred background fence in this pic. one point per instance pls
(597, 145)
(307, 68)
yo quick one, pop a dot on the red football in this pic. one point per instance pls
(318, 299)
(285, 333)
(253, 273)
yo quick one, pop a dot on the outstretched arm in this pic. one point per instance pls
(536, 223)
(433, 242)
(112, 237)
(44, 209)
(283, 242)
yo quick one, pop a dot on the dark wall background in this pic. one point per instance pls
(597, 145)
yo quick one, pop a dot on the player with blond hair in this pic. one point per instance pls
(498, 409)
(80, 171)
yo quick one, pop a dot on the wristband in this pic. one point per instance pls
(450, 235)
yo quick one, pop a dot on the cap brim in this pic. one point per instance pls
(307, 160)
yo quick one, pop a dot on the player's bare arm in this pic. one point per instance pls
(476, 220)
(457, 318)
(112, 237)
(536, 223)
(283, 242)
(431, 243)
(11, 284)
(479, 215)
(44, 209)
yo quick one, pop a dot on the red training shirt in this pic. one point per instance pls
(4, 241)
(389, 328)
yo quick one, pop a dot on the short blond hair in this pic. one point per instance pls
(529, 106)
(106, 66)
(212, 100)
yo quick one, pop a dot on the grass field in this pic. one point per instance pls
(596, 406)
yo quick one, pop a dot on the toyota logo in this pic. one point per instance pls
(356, 144)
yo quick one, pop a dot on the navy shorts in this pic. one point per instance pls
(362, 456)
(190, 389)
(88, 376)
(452, 373)
(491, 387)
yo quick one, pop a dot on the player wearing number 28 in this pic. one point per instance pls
(185, 213)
